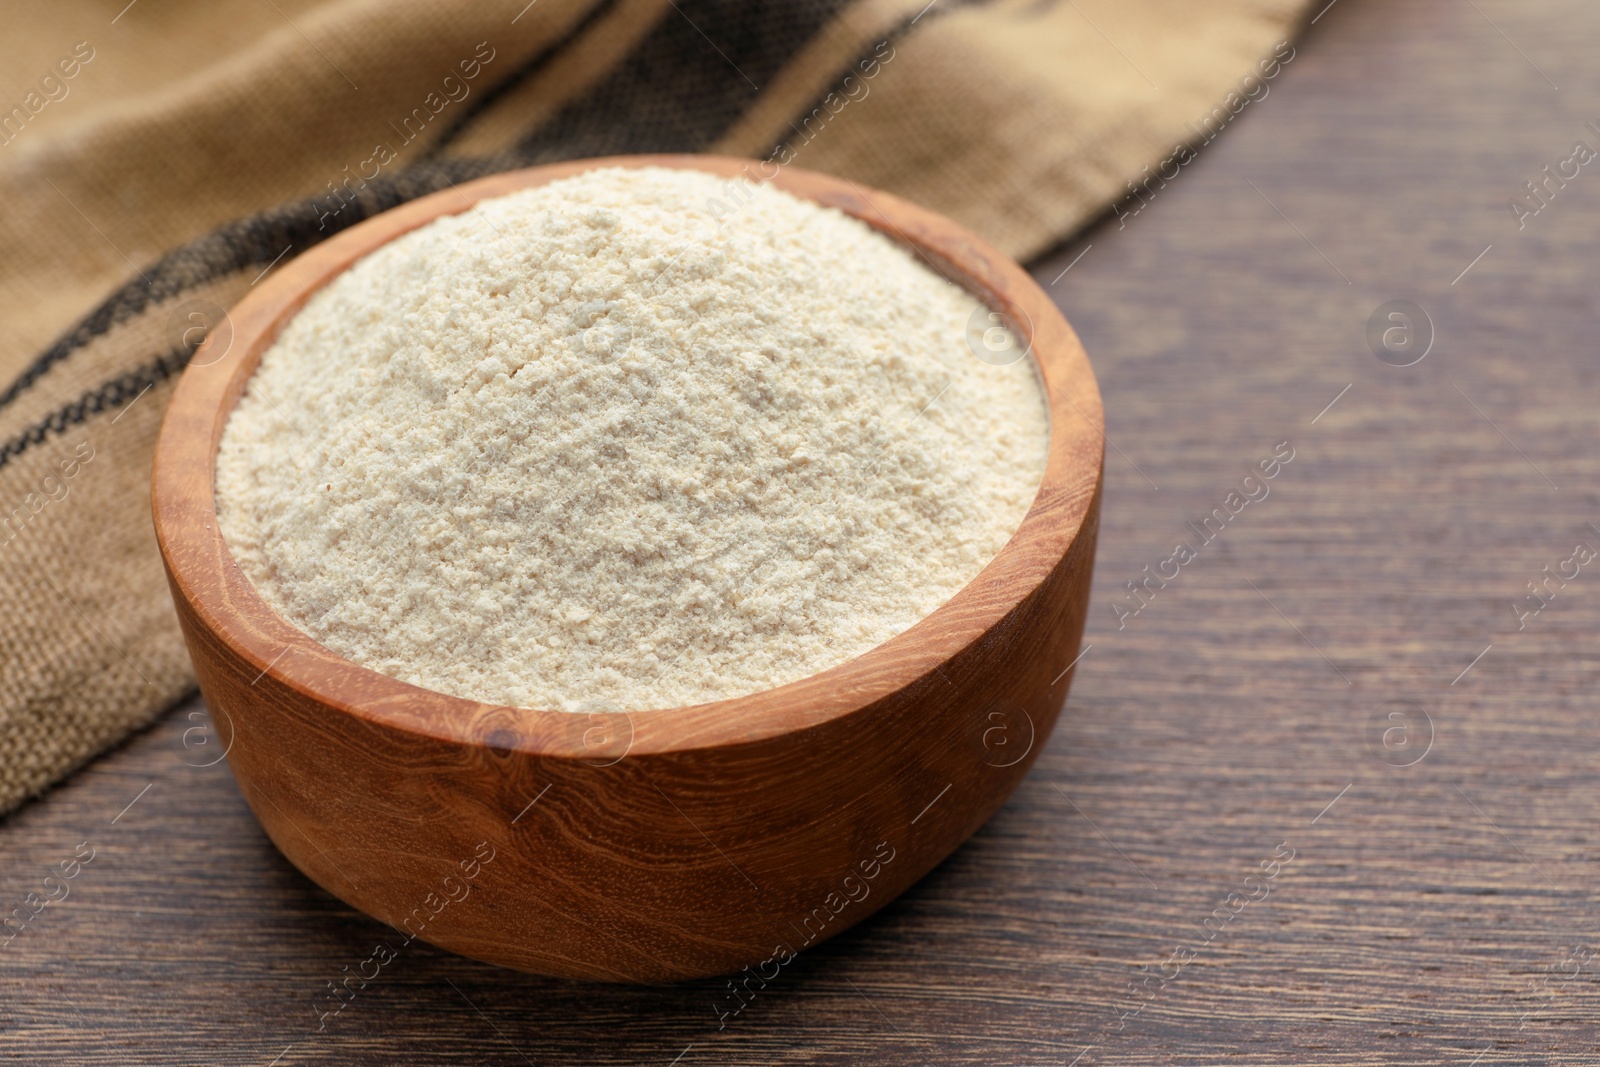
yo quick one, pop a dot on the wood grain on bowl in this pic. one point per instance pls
(640, 845)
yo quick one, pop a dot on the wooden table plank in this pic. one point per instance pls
(1437, 912)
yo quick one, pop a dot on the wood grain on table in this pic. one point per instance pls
(1319, 801)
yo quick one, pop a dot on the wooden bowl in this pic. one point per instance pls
(638, 846)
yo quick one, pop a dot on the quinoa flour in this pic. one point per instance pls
(607, 443)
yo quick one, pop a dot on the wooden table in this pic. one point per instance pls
(1339, 676)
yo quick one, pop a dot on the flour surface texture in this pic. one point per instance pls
(615, 442)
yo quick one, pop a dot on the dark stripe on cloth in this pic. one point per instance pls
(895, 33)
(686, 83)
(494, 95)
(122, 389)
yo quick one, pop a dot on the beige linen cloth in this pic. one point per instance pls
(158, 157)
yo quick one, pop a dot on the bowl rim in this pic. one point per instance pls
(207, 580)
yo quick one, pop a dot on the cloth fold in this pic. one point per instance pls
(156, 161)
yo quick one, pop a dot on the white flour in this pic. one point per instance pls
(584, 447)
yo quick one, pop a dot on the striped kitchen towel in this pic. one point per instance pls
(158, 159)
